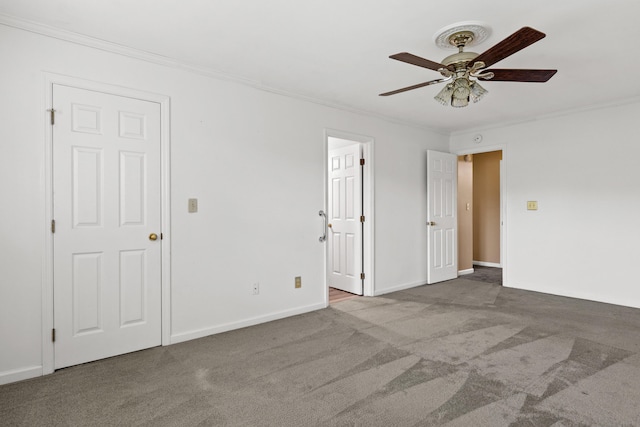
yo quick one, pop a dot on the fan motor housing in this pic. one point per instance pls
(461, 58)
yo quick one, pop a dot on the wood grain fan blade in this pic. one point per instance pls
(432, 82)
(416, 60)
(522, 38)
(518, 75)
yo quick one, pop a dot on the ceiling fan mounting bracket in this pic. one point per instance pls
(461, 39)
(469, 32)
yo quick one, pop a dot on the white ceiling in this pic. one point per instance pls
(336, 51)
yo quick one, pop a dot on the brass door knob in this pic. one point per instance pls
(330, 226)
(431, 223)
(153, 236)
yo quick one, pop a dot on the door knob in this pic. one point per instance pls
(431, 223)
(153, 236)
(330, 226)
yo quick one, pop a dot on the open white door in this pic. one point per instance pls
(106, 207)
(442, 223)
(344, 213)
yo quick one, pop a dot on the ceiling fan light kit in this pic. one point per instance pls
(462, 70)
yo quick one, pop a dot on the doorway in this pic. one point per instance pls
(349, 210)
(106, 287)
(480, 212)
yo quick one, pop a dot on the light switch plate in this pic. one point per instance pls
(532, 205)
(193, 205)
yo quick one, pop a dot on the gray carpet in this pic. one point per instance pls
(486, 274)
(459, 353)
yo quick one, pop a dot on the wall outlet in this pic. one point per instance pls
(532, 205)
(256, 288)
(298, 282)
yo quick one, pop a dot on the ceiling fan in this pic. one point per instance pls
(461, 71)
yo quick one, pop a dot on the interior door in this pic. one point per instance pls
(345, 229)
(106, 207)
(442, 223)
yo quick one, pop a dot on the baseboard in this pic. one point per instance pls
(464, 272)
(487, 264)
(15, 375)
(204, 332)
(398, 288)
(634, 303)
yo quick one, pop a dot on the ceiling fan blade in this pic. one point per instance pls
(416, 60)
(517, 41)
(404, 89)
(518, 75)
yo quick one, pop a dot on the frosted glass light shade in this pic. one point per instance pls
(460, 92)
(477, 91)
(461, 88)
(459, 102)
(444, 97)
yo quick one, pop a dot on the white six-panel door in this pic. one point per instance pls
(442, 221)
(106, 206)
(344, 210)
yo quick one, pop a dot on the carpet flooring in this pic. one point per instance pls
(460, 353)
(486, 274)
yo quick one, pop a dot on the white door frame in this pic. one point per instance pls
(503, 200)
(367, 142)
(49, 79)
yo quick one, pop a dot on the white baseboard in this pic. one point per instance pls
(398, 288)
(464, 272)
(588, 296)
(487, 264)
(14, 375)
(204, 332)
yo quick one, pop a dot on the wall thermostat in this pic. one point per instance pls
(477, 139)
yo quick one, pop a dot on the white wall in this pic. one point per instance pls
(582, 168)
(254, 160)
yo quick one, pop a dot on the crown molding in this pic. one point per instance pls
(549, 116)
(107, 46)
(95, 43)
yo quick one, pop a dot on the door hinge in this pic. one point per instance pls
(52, 113)
(53, 225)
(361, 162)
(361, 276)
(361, 218)
(53, 335)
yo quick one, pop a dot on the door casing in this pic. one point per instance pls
(503, 200)
(368, 183)
(342, 225)
(49, 79)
